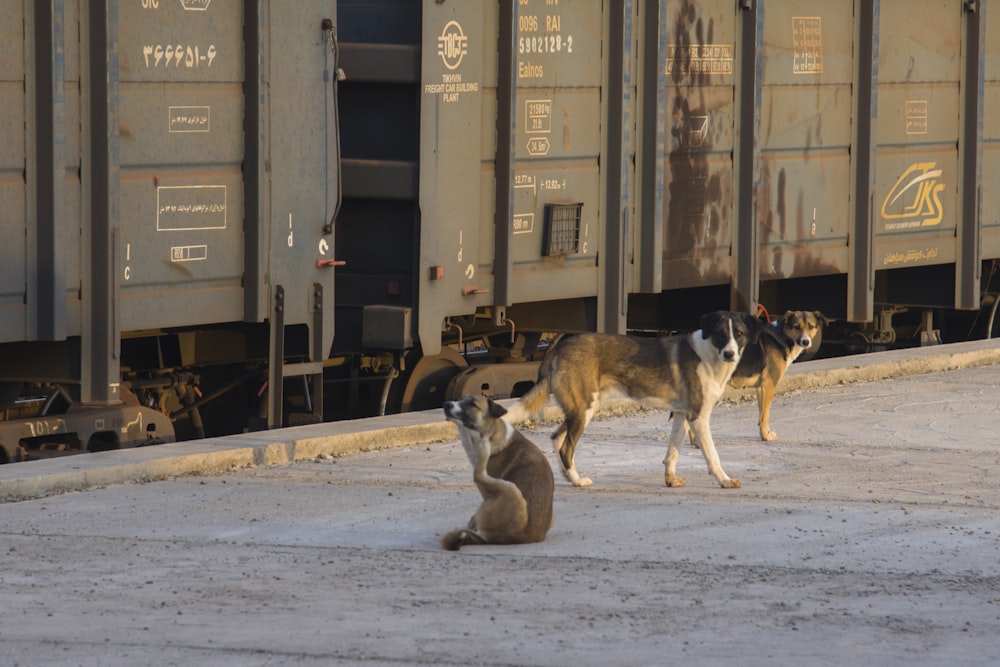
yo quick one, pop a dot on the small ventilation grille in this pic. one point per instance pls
(562, 229)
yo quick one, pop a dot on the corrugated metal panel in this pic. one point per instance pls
(182, 144)
(701, 114)
(124, 177)
(544, 107)
(302, 149)
(454, 259)
(556, 112)
(14, 104)
(180, 137)
(805, 135)
(991, 138)
(917, 172)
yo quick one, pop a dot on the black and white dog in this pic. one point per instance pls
(686, 374)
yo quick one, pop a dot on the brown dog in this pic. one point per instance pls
(513, 476)
(763, 365)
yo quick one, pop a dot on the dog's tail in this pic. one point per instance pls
(531, 403)
(456, 539)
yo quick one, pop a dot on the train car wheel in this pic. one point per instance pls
(429, 379)
(856, 342)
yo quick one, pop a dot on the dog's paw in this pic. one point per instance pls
(769, 436)
(575, 479)
(731, 484)
(456, 539)
(673, 481)
(453, 540)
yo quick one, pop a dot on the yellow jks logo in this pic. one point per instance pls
(921, 207)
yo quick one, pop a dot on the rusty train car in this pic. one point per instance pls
(223, 215)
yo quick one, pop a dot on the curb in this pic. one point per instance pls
(36, 479)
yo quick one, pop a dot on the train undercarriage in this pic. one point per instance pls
(184, 402)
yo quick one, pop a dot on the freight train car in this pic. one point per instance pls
(167, 186)
(516, 168)
(185, 180)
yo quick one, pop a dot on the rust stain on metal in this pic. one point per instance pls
(699, 179)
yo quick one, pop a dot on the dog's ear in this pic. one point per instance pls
(821, 317)
(708, 323)
(754, 326)
(788, 317)
(496, 410)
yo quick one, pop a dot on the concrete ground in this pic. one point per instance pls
(868, 533)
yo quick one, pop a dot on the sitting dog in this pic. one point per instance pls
(685, 373)
(763, 365)
(513, 476)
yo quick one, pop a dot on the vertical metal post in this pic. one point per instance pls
(860, 271)
(612, 298)
(746, 283)
(100, 373)
(652, 145)
(48, 299)
(254, 167)
(968, 267)
(319, 351)
(503, 263)
(276, 365)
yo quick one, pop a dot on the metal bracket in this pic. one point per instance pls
(311, 371)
